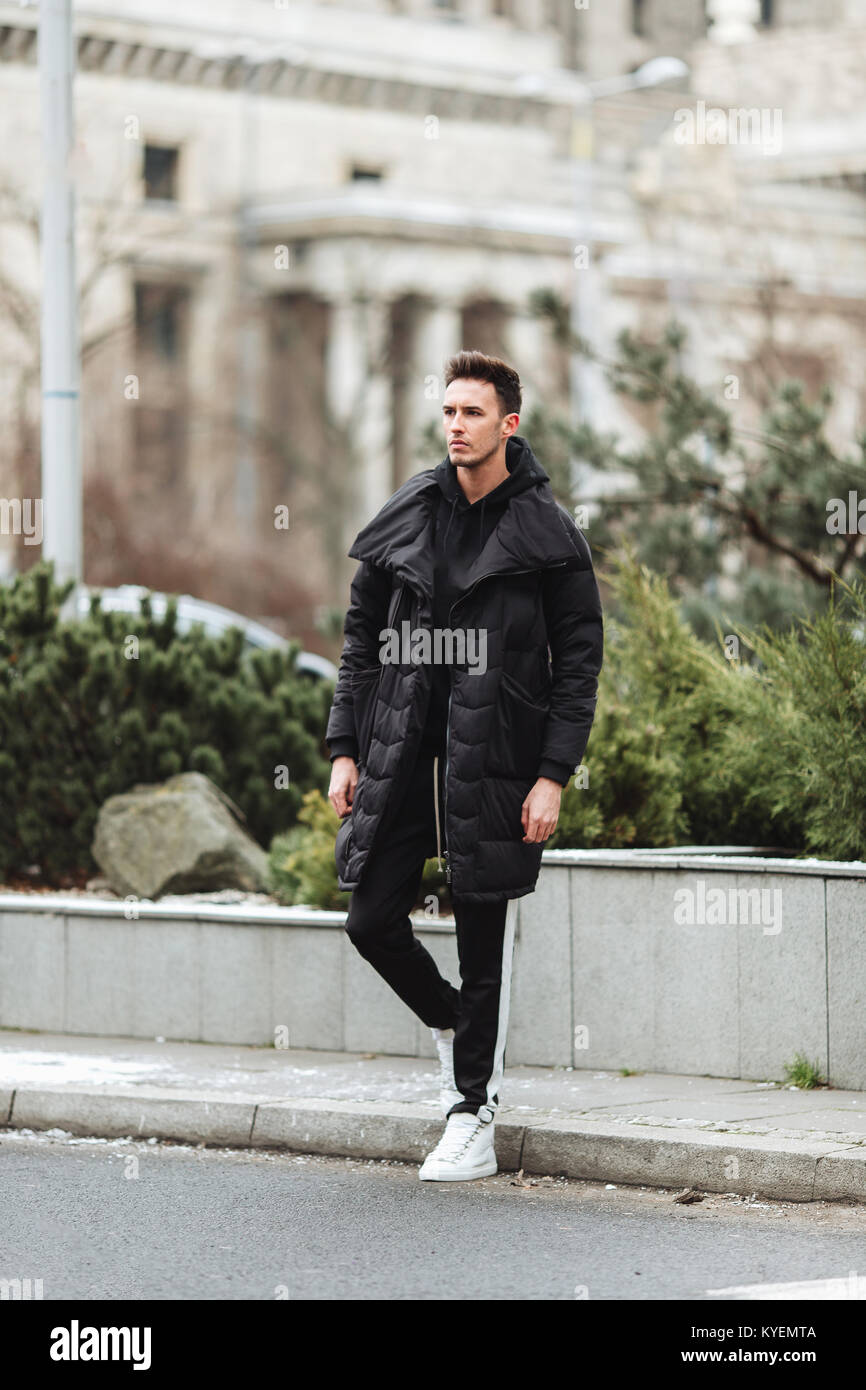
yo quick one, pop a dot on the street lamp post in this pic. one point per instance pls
(61, 438)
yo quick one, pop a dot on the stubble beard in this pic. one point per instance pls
(476, 462)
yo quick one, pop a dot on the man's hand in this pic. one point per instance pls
(344, 779)
(540, 811)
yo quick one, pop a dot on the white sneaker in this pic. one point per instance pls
(448, 1092)
(465, 1150)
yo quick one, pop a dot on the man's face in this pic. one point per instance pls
(474, 424)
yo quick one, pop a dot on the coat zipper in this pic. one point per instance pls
(489, 575)
(436, 809)
(460, 599)
(447, 743)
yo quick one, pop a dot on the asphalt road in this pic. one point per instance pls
(109, 1220)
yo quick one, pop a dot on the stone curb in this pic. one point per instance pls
(790, 1168)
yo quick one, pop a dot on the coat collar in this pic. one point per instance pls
(530, 535)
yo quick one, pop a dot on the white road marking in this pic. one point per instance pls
(847, 1286)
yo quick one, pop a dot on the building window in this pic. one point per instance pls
(767, 12)
(638, 18)
(364, 173)
(160, 173)
(159, 313)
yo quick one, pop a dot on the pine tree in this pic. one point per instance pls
(706, 492)
(90, 708)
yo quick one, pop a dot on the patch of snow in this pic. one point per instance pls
(37, 1068)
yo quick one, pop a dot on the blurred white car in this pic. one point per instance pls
(215, 620)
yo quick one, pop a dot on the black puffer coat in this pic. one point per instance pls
(533, 591)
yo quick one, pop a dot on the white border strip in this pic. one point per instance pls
(494, 1083)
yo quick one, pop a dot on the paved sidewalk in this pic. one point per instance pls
(654, 1129)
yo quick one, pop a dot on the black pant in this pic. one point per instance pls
(378, 924)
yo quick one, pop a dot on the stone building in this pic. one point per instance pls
(291, 213)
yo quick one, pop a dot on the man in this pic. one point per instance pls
(469, 750)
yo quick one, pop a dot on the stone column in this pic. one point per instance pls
(529, 351)
(211, 368)
(437, 337)
(358, 390)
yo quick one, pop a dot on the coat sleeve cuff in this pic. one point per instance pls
(557, 772)
(343, 748)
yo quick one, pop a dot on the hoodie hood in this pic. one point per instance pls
(524, 471)
(401, 536)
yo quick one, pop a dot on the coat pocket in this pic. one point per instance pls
(341, 845)
(517, 731)
(365, 693)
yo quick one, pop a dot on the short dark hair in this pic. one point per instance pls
(479, 367)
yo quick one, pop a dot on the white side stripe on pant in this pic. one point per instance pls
(495, 1082)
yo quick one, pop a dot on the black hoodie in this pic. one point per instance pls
(460, 531)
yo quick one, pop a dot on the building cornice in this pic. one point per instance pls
(384, 212)
(223, 65)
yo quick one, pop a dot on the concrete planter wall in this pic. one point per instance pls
(623, 959)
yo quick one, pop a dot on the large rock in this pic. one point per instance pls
(179, 836)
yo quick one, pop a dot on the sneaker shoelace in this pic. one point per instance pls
(455, 1141)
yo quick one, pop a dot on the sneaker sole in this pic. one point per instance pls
(487, 1170)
